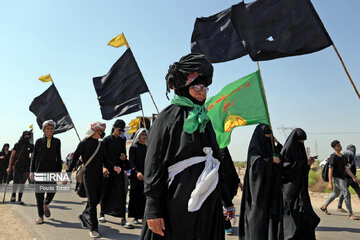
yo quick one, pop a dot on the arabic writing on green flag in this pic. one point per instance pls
(237, 104)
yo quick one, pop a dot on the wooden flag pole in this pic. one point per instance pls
(346, 71)
(142, 111)
(77, 134)
(267, 107)
(153, 101)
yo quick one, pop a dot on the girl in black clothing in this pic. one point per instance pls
(137, 155)
(4, 162)
(46, 158)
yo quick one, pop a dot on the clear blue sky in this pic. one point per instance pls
(68, 39)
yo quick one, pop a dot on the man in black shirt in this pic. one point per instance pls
(92, 149)
(46, 158)
(338, 168)
(20, 163)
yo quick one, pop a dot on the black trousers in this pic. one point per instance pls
(3, 175)
(93, 187)
(20, 178)
(40, 201)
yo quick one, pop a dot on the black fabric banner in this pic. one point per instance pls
(116, 110)
(216, 38)
(122, 83)
(49, 105)
(279, 28)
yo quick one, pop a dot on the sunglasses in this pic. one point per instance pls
(198, 88)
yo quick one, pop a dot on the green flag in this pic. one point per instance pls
(237, 104)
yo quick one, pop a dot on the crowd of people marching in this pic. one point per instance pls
(181, 184)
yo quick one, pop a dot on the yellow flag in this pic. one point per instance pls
(46, 78)
(134, 125)
(31, 126)
(119, 41)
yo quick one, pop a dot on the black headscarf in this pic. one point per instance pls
(259, 144)
(188, 69)
(6, 144)
(23, 139)
(293, 149)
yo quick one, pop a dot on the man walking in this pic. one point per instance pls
(338, 168)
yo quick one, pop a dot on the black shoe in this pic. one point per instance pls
(83, 222)
(13, 197)
(122, 222)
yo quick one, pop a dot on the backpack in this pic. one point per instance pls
(325, 172)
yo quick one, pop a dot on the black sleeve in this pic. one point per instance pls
(107, 163)
(132, 157)
(78, 152)
(58, 156)
(34, 156)
(332, 161)
(125, 165)
(155, 172)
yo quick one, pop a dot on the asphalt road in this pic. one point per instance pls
(64, 223)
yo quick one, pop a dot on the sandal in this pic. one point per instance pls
(39, 221)
(47, 212)
(352, 217)
(341, 210)
(325, 210)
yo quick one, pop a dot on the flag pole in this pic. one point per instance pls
(128, 46)
(143, 116)
(77, 134)
(153, 101)
(346, 71)
(267, 106)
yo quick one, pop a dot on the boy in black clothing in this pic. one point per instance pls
(46, 158)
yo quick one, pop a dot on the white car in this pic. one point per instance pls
(323, 162)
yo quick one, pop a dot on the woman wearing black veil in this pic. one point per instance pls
(299, 218)
(182, 180)
(261, 211)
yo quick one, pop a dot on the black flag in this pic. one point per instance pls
(111, 111)
(50, 106)
(216, 38)
(119, 90)
(279, 28)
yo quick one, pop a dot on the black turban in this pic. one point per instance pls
(189, 68)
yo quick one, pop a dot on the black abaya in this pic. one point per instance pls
(113, 201)
(299, 218)
(137, 199)
(168, 144)
(260, 205)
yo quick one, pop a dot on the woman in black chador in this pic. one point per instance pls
(300, 220)
(137, 155)
(182, 180)
(4, 162)
(260, 212)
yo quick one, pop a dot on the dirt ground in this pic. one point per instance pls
(12, 227)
